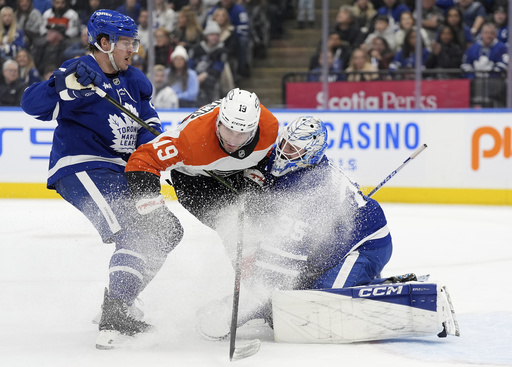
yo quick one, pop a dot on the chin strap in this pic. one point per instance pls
(109, 52)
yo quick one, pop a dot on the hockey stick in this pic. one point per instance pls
(152, 130)
(253, 346)
(390, 176)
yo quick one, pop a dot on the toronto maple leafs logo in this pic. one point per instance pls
(124, 130)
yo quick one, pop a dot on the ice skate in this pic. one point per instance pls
(133, 311)
(116, 324)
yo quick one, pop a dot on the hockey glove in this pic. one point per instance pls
(248, 180)
(76, 81)
(155, 218)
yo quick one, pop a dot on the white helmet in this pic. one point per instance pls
(240, 111)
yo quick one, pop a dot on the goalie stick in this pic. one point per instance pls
(247, 349)
(390, 176)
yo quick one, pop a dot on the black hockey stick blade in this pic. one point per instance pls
(245, 350)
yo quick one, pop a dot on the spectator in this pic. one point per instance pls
(78, 48)
(138, 62)
(92, 6)
(12, 87)
(228, 37)
(28, 19)
(360, 62)
(163, 46)
(382, 29)
(145, 30)
(473, 15)
(11, 38)
(240, 20)
(347, 27)
(341, 51)
(433, 17)
(485, 62)
(462, 32)
(188, 32)
(487, 54)
(27, 70)
(392, 9)
(305, 13)
(61, 14)
(208, 59)
(380, 54)
(446, 52)
(163, 95)
(164, 16)
(335, 71)
(364, 12)
(48, 71)
(182, 79)
(199, 10)
(259, 29)
(407, 22)
(130, 8)
(500, 19)
(276, 15)
(49, 50)
(405, 58)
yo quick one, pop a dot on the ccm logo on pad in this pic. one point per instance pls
(380, 291)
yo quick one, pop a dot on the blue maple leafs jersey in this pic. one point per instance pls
(91, 132)
(319, 216)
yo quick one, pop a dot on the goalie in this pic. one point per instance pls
(314, 273)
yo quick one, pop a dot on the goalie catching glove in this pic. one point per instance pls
(76, 81)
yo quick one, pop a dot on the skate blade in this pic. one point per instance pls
(111, 339)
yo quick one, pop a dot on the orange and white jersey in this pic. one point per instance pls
(193, 147)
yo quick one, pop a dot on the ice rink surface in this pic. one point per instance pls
(53, 269)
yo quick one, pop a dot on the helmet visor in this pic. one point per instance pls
(128, 45)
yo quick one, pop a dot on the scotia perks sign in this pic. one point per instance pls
(380, 95)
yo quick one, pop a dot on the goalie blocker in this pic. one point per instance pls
(364, 313)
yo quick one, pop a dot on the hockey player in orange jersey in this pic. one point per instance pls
(226, 137)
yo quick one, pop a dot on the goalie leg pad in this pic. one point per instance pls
(364, 313)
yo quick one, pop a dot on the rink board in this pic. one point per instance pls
(468, 158)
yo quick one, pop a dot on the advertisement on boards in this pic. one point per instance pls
(466, 150)
(380, 95)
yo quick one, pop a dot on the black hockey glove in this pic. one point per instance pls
(249, 180)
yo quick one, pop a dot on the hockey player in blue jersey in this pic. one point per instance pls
(92, 143)
(311, 228)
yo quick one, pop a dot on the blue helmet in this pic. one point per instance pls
(111, 23)
(302, 143)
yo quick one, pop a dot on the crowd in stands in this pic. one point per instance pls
(376, 39)
(201, 47)
(214, 41)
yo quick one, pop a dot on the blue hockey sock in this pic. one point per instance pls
(126, 275)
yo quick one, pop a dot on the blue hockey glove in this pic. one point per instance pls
(76, 81)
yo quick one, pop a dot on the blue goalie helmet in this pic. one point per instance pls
(111, 23)
(300, 144)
